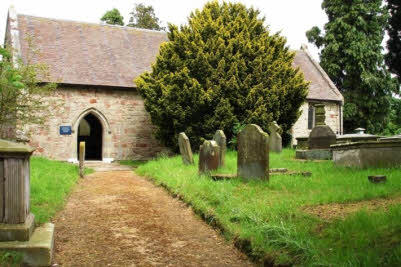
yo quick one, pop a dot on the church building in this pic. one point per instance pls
(96, 100)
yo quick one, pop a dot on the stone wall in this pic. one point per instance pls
(300, 128)
(127, 130)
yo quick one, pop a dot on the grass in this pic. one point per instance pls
(266, 219)
(133, 163)
(51, 181)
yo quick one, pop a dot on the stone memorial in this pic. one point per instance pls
(17, 223)
(322, 136)
(221, 141)
(320, 139)
(368, 154)
(275, 141)
(209, 156)
(253, 153)
(358, 136)
(185, 149)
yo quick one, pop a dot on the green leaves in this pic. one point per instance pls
(222, 68)
(113, 17)
(22, 98)
(352, 57)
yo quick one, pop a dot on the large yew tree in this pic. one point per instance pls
(222, 68)
(352, 56)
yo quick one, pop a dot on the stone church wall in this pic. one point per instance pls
(127, 130)
(300, 128)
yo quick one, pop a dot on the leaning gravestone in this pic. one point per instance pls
(275, 141)
(253, 153)
(185, 149)
(322, 136)
(209, 156)
(221, 141)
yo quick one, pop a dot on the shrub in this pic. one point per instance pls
(223, 68)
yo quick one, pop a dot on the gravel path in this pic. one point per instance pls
(120, 219)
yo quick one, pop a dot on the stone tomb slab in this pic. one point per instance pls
(185, 149)
(209, 156)
(253, 153)
(17, 232)
(38, 251)
(373, 154)
(315, 154)
(221, 141)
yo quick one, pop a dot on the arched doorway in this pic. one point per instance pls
(90, 131)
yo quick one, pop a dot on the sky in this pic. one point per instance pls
(292, 17)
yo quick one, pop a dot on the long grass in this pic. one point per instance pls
(51, 181)
(266, 219)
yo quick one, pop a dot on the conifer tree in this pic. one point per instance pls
(222, 68)
(352, 57)
(393, 57)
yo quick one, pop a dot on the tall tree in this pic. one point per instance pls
(393, 57)
(21, 95)
(222, 68)
(352, 56)
(144, 17)
(113, 17)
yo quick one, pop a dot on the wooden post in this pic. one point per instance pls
(82, 159)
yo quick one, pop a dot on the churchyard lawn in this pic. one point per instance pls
(333, 217)
(51, 181)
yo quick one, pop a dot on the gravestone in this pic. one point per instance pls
(185, 149)
(253, 153)
(322, 136)
(221, 141)
(275, 141)
(209, 156)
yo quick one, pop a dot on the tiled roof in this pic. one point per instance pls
(97, 54)
(90, 54)
(321, 87)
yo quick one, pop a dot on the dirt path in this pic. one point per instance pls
(120, 219)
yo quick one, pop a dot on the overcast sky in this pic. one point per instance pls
(292, 17)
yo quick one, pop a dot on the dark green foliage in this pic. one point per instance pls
(393, 57)
(144, 17)
(223, 68)
(394, 125)
(113, 17)
(352, 56)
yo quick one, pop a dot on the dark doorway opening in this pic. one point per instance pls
(90, 131)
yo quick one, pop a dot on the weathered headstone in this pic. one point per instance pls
(253, 153)
(275, 141)
(322, 136)
(185, 149)
(209, 156)
(221, 141)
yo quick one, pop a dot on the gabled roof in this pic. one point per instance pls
(106, 55)
(90, 54)
(321, 87)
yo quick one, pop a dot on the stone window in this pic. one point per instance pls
(311, 116)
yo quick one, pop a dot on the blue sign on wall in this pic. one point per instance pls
(65, 130)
